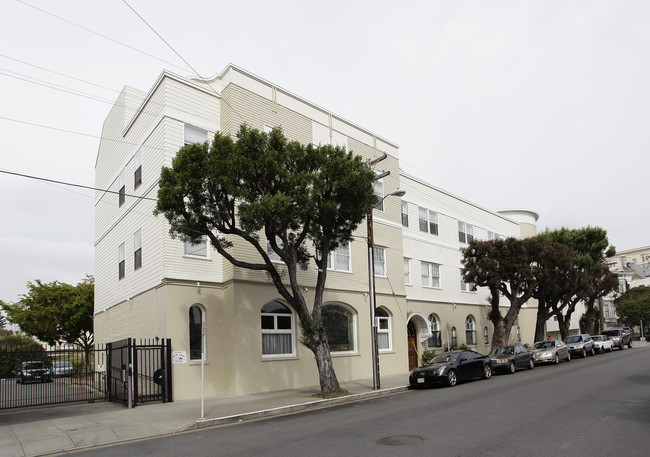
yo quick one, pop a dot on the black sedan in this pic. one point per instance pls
(451, 367)
(509, 358)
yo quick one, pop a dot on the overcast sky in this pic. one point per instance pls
(542, 105)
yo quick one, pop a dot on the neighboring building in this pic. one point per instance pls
(633, 269)
(149, 285)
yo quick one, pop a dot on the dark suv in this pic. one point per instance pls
(620, 337)
(580, 344)
(33, 371)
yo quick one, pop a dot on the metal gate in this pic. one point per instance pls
(35, 376)
(139, 372)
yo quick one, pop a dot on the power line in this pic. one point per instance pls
(75, 185)
(103, 36)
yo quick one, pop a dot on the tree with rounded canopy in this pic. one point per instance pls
(633, 306)
(56, 312)
(508, 267)
(305, 201)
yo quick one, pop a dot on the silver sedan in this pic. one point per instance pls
(550, 351)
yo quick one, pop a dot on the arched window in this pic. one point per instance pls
(196, 332)
(454, 338)
(485, 335)
(383, 329)
(435, 341)
(470, 331)
(277, 330)
(340, 324)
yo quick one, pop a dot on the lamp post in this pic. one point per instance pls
(373, 298)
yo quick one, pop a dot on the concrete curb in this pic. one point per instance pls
(316, 404)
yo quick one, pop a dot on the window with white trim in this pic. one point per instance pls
(384, 328)
(428, 220)
(340, 324)
(274, 256)
(454, 338)
(493, 236)
(277, 330)
(122, 189)
(470, 331)
(405, 213)
(339, 259)
(195, 135)
(485, 335)
(407, 271)
(196, 332)
(379, 254)
(137, 163)
(436, 338)
(466, 286)
(121, 261)
(379, 192)
(198, 248)
(430, 274)
(137, 249)
(465, 232)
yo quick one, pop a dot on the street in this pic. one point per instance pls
(598, 406)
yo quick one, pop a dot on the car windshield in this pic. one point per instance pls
(544, 345)
(597, 338)
(573, 339)
(445, 357)
(33, 365)
(506, 350)
(61, 364)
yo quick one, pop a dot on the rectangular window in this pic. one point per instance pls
(198, 249)
(466, 286)
(274, 256)
(379, 192)
(430, 274)
(428, 220)
(122, 191)
(339, 259)
(407, 271)
(137, 163)
(379, 254)
(493, 236)
(465, 232)
(195, 135)
(405, 214)
(137, 249)
(121, 261)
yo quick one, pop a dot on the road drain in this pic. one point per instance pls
(400, 440)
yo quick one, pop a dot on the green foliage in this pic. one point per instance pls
(56, 312)
(16, 349)
(634, 306)
(427, 356)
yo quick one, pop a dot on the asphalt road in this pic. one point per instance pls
(599, 406)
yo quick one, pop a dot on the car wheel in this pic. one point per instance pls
(557, 359)
(620, 346)
(531, 364)
(584, 353)
(611, 349)
(593, 353)
(487, 371)
(512, 368)
(452, 378)
(629, 345)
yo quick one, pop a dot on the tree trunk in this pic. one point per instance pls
(590, 319)
(540, 325)
(500, 336)
(329, 384)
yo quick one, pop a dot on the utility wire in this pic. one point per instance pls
(103, 36)
(75, 185)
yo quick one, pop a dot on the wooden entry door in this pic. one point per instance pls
(412, 342)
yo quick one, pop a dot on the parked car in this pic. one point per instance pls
(580, 344)
(620, 337)
(509, 358)
(33, 371)
(450, 368)
(62, 368)
(603, 343)
(550, 351)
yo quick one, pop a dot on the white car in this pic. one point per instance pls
(603, 343)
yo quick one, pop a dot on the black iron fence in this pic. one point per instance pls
(34, 377)
(126, 372)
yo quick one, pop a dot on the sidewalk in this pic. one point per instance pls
(39, 431)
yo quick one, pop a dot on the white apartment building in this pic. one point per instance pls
(149, 285)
